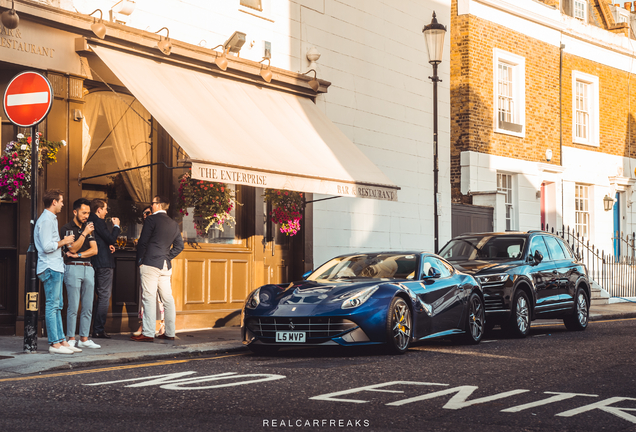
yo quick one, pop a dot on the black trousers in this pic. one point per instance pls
(103, 290)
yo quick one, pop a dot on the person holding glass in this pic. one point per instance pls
(50, 269)
(104, 264)
(79, 275)
(159, 312)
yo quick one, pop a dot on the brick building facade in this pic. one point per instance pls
(542, 113)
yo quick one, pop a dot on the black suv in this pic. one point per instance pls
(525, 276)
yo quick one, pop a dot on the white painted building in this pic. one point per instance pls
(374, 55)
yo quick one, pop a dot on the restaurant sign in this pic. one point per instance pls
(223, 174)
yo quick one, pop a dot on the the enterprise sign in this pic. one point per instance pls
(217, 173)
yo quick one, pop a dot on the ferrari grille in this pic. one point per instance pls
(315, 327)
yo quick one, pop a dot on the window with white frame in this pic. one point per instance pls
(582, 114)
(509, 92)
(585, 109)
(582, 210)
(579, 9)
(504, 184)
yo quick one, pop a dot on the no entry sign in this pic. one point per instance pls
(28, 99)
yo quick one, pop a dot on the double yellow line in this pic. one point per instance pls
(117, 368)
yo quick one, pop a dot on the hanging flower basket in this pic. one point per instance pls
(15, 165)
(286, 209)
(212, 203)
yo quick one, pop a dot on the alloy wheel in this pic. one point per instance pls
(522, 314)
(476, 318)
(402, 325)
(581, 309)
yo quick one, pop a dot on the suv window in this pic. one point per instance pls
(486, 247)
(537, 244)
(555, 248)
(566, 248)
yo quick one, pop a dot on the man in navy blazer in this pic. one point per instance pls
(160, 241)
(103, 263)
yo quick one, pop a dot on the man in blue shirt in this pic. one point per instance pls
(50, 269)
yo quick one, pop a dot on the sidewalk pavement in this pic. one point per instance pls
(120, 349)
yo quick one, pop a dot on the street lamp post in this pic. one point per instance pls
(434, 34)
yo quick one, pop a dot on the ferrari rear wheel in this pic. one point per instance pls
(263, 350)
(398, 326)
(475, 320)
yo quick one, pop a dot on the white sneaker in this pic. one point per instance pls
(61, 350)
(73, 348)
(72, 342)
(88, 344)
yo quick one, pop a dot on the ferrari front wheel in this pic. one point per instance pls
(398, 326)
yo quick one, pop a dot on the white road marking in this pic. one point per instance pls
(458, 401)
(175, 382)
(604, 406)
(375, 387)
(559, 397)
(27, 98)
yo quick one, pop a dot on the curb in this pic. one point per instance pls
(610, 316)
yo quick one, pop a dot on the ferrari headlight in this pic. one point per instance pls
(358, 298)
(254, 299)
(493, 279)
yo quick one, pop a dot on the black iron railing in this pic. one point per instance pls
(614, 272)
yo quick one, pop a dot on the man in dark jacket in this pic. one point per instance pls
(159, 243)
(104, 264)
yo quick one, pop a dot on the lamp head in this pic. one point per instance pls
(313, 83)
(164, 45)
(98, 27)
(266, 74)
(10, 18)
(221, 61)
(434, 34)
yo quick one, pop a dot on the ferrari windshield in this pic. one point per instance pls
(376, 266)
(488, 247)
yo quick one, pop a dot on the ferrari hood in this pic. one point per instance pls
(310, 292)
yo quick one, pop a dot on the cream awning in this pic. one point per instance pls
(240, 133)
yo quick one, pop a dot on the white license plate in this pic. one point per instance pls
(290, 336)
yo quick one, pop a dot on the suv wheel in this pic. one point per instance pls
(519, 323)
(577, 321)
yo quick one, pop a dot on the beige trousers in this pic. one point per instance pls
(153, 280)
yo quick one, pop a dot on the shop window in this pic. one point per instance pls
(228, 234)
(116, 136)
(509, 91)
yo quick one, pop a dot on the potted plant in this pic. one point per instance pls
(286, 209)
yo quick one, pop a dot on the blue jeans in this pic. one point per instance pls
(52, 281)
(80, 285)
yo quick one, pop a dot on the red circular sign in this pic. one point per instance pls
(28, 99)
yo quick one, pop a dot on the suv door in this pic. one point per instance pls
(543, 275)
(562, 266)
(571, 271)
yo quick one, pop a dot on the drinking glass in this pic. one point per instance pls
(124, 240)
(68, 233)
